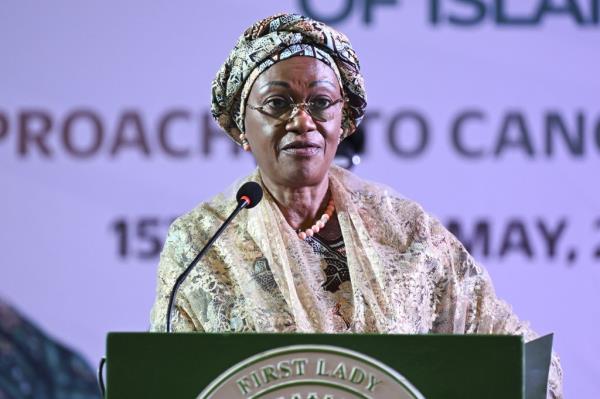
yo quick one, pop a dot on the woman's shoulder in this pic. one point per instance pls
(380, 200)
(189, 232)
(392, 218)
(203, 220)
(394, 215)
(195, 225)
(368, 190)
(205, 213)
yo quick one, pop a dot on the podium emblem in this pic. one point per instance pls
(310, 372)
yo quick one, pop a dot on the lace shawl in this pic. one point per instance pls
(409, 275)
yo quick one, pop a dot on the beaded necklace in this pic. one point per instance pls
(320, 223)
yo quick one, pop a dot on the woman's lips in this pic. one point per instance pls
(301, 148)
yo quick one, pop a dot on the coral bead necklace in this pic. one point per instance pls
(320, 223)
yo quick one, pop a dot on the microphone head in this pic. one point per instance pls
(251, 192)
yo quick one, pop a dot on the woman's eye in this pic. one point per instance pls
(277, 103)
(321, 103)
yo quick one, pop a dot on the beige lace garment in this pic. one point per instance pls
(408, 274)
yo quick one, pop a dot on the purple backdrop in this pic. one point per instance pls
(484, 112)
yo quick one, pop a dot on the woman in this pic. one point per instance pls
(324, 251)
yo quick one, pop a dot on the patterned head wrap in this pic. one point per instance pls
(274, 39)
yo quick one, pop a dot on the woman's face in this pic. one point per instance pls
(294, 152)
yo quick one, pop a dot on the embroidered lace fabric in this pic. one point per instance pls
(408, 274)
(335, 278)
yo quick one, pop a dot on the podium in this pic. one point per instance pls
(330, 366)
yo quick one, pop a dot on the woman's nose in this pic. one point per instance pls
(301, 122)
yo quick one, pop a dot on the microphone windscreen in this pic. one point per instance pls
(252, 191)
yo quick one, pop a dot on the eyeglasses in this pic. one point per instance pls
(320, 109)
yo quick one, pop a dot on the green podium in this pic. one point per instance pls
(318, 366)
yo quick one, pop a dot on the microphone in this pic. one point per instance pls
(248, 196)
(250, 192)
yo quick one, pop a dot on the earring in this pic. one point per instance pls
(245, 143)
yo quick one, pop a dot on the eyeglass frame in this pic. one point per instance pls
(296, 108)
